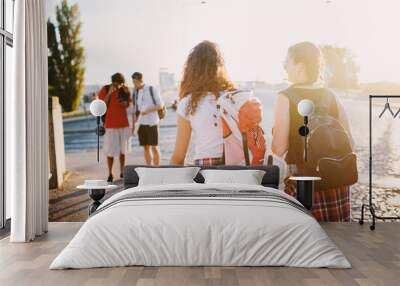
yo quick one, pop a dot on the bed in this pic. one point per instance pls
(197, 224)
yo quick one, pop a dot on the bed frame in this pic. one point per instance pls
(270, 179)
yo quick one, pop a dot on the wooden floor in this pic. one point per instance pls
(375, 257)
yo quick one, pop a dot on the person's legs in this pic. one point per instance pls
(156, 155)
(124, 135)
(121, 164)
(143, 141)
(153, 141)
(109, 150)
(110, 162)
(147, 154)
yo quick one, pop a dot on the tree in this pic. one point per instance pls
(66, 56)
(341, 68)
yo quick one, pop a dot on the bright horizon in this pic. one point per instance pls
(127, 35)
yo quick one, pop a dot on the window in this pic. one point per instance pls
(6, 43)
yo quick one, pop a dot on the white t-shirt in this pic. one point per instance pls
(206, 126)
(144, 102)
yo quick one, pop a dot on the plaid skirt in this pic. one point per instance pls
(209, 162)
(329, 205)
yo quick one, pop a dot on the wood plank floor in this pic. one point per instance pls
(375, 257)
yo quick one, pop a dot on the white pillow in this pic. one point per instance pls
(166, 176)
(248, 177)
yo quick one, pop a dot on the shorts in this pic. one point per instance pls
(148, 135)
(116, 141)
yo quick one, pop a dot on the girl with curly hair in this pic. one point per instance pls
(204, 79)
(216, 113)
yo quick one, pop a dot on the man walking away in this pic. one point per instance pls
(147, 103)
(116, 138)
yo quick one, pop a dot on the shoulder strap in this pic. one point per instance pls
(107, 87)
(333, 107)
(270, 160)
(152, 95)
(245, 149)
(327, 104)
(135, 100)
(135, 95)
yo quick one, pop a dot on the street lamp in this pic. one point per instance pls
(98, 108)
(305, 109)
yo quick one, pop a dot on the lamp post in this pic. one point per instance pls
(98, 108)
(305, 184)
(305, 109)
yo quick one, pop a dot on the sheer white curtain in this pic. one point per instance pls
(27, 123)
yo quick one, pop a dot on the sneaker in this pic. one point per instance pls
(110, 178)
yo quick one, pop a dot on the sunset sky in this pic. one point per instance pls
(133, 35)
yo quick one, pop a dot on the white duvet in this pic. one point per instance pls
(200, 231)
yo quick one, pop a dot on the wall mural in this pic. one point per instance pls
(214, 83)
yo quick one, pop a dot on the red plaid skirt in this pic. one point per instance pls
(328, 205)
(209, 162)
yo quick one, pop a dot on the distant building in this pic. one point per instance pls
(166, 79)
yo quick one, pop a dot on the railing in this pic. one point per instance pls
(88, 119)
(93, 130)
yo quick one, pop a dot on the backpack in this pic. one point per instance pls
(330, 154)
(161, 113)
(244, 141)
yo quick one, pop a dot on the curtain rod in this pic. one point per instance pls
(384, 96)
